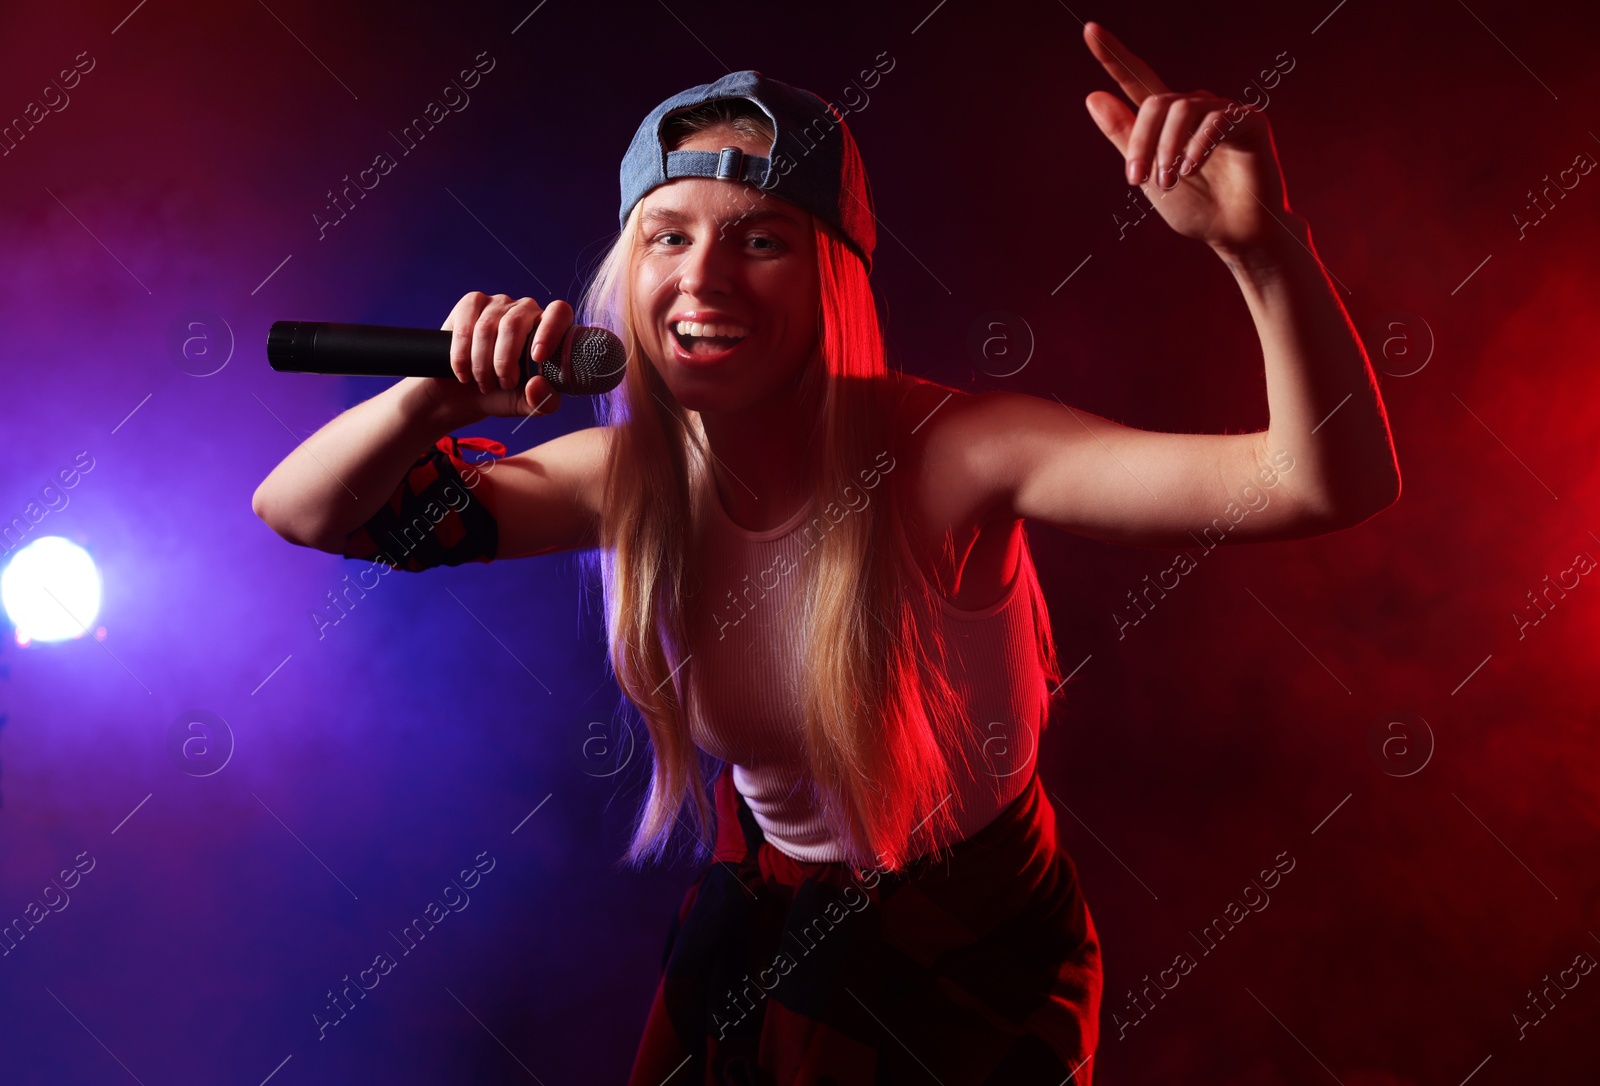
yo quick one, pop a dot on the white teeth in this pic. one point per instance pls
(700, 329)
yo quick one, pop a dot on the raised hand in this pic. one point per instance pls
(487, 335)
(1206, 163)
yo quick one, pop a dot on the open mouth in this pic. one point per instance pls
(707, 340)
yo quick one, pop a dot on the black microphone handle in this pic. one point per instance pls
(372, 350)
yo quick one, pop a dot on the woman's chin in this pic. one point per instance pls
(716, 390)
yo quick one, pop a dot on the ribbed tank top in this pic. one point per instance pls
(748, 652)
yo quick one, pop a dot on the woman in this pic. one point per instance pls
(815, 571)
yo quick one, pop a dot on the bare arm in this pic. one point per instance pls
(1322, 396)
(332, 482)
(336, 479)
(1325, 461)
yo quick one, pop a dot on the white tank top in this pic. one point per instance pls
(747, 648)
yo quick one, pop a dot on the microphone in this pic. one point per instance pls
(587, 362)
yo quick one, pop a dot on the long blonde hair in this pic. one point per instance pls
(879, 711)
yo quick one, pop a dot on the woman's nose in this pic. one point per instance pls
(704, 269)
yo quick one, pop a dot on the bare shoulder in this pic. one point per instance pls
(936, 425)
(965, 538)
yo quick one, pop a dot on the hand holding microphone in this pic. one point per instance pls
(492, 356)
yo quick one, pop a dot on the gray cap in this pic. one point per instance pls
(813, 162)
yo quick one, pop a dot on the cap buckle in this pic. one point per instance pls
(730, 164)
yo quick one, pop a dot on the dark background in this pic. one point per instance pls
(371, 764)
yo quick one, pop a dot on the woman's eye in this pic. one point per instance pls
(764, 242)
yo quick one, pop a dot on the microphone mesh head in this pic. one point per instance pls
(592, 363)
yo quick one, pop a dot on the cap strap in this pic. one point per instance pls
(729, 164)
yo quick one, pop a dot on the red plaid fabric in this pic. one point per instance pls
(433, 518)
(980, 965)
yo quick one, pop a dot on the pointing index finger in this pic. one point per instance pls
(1136, 78)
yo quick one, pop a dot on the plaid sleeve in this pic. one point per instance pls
(434, 517)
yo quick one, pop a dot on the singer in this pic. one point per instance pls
(884, 896)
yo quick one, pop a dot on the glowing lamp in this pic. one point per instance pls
(51, 590)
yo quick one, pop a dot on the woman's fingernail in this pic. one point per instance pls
(1133, 172)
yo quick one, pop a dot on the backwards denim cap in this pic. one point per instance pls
(813, 162)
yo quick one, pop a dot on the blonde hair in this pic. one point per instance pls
(879, 711)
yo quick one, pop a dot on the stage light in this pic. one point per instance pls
(51, 590)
